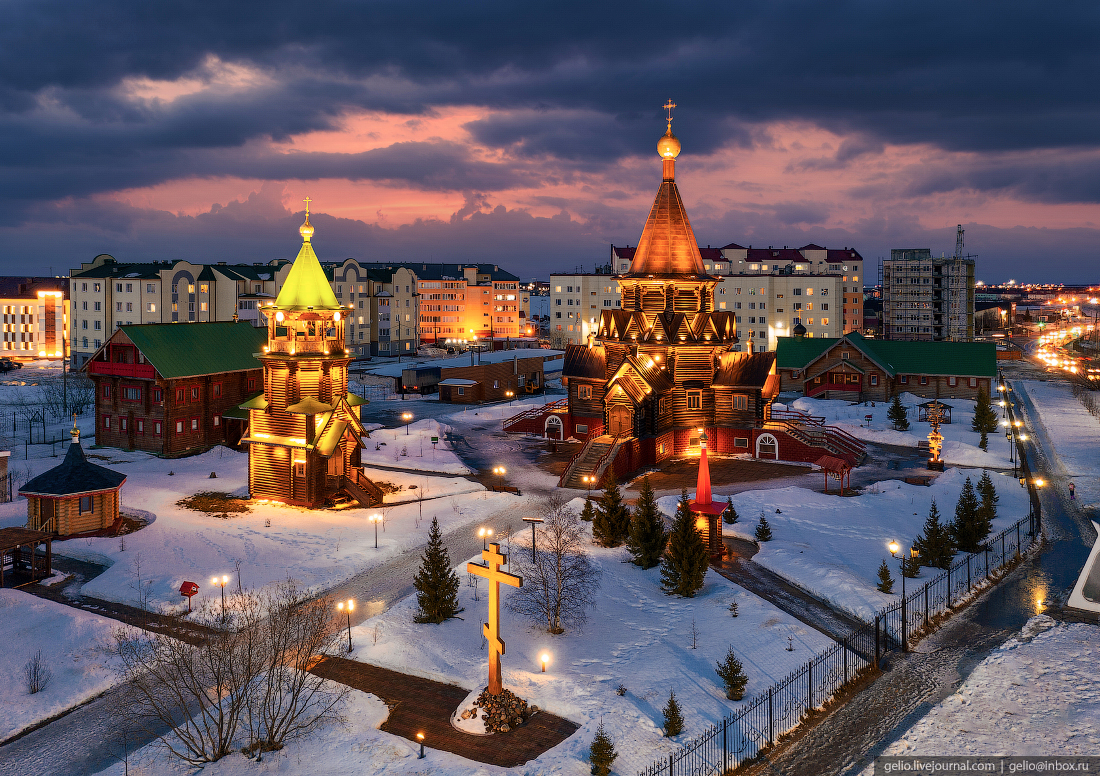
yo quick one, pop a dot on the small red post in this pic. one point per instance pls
(188, 589)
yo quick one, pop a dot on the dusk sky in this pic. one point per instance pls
(526, 135)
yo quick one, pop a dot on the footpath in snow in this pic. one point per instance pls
(831, 546)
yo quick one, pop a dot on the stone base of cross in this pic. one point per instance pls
(494, 559)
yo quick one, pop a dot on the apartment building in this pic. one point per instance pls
(385, 307)
(576, 302)
(35, 317)
(771, 306)
(105, 294)
(927, 298)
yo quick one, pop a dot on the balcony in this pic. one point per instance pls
(138, 371)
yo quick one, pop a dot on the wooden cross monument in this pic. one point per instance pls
(491, 571)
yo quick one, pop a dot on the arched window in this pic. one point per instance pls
(767, 447)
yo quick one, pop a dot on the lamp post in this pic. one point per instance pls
(544, 658)
(347, 607)
(407, 417)
(893, 547)
(511, 396)
(420, 738)
(485, 533)
(588, 480)
(221, 582)
(500, 471)
(533, 521)
(376, 519)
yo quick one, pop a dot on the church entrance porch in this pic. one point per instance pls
(620, 421)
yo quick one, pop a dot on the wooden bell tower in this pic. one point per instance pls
(304, 432)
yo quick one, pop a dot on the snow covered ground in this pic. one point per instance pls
(960, 446)
(831, 546)
(1039, 694)
(318, 548)
(75, 646)
(411, 448)
(1074, 433)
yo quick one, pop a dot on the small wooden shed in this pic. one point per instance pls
(75, 497)
(19, 556)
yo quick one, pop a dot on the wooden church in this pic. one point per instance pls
(304, 431)
(663, 369)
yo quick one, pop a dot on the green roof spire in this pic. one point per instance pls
(306, 285)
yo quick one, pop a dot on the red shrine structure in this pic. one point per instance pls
(304, 432)
(704, 505)
(665, 368)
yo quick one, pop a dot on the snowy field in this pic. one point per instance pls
(411, 448)
(960, 445)
(318, 548)
(76, 651)
(1074, 433)
(1039, 694)
(831, 546)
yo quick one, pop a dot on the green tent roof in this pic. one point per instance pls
(306, 285)
(965, 359)
(189, 349)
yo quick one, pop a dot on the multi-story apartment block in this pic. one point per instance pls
(105, 294)
(385, 307)
(771, 306)
(576, 302)
(927, 298)
(35, 317)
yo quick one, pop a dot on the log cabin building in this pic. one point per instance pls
(171, 388)
(304, 433)
(854, 368)
(662, 369)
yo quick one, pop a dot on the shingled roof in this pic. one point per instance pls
(74, 476)
(188, 349)
(585, 362)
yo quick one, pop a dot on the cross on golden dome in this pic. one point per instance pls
(306, 229)
(307, 200)
(669, 106)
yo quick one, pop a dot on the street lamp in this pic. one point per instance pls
(532, 521)
(894, 547)
(376, 519)
(500, 471)
(221, 582)
(407, 417)
(588, 481)
(485, 533)
(420, 738)
(511, 396)
(544, 658)
(347, 606)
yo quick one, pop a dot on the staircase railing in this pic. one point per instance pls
(615, 442)
(534, 412)
(569, 466)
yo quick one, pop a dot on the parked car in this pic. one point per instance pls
(6, 365)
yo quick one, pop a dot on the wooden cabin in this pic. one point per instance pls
(75, 497)
(171, 388)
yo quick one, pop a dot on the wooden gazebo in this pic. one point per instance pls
(924, 409)
(838, 468)
(20, 545)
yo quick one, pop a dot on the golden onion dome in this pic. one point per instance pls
(668, 147)
(306, 229)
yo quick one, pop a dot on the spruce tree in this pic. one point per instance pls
(588, 512)
(897, 414)
(730, 515)
(602, 753)
(674, 720)
(733, 676)
(611, 524)
(967, 530)
(885, 581)
(763, 531)
(436, 583)
(685, 561)
(985, 418)
(935, 547)
(987, 509)
(648, 538)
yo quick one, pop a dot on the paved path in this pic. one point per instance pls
(738, 567)
(422, 706)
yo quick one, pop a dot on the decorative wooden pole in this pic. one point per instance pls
(494, 559)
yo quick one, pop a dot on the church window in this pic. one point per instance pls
(694, 400)
(584, 392)
(740, 402)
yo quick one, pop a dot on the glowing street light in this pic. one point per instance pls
(589, 480)
(894, 547)
(420, 738)
(376, 519)
(544, 658)
(348, 607)
(500, 471)
(485, 533)
(221, 582)
(407, 417)
(511, 396)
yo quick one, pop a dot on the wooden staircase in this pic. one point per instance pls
(594, 459)
(359, 487)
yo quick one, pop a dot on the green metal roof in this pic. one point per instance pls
(968, 359)
(797, 352)
(190, 349)
(306, 285)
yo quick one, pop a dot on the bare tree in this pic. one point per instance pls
(37, 673)
(560, 584)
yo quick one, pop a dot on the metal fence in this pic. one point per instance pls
(767, 716)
